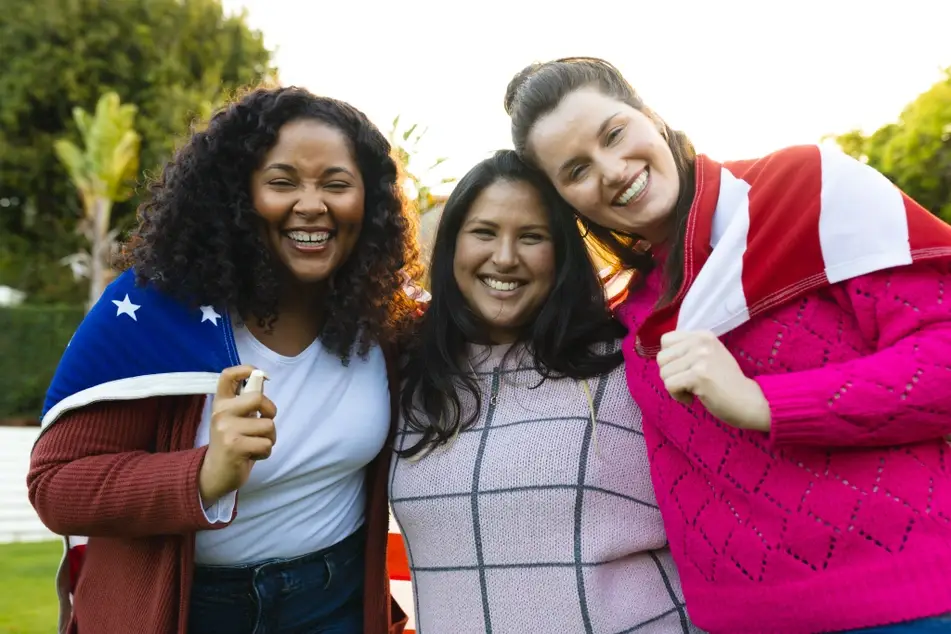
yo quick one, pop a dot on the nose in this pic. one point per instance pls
(505, 254)
(612, 170)
(310, 203)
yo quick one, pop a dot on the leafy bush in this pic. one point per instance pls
(32, 339)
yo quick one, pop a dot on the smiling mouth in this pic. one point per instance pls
(503, 286)
(635, 188)
(310, 240)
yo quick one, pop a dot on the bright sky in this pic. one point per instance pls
(740, 77)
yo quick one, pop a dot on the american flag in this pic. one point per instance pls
(138, 343)
(765, 232)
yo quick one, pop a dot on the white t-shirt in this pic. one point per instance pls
(332, 420)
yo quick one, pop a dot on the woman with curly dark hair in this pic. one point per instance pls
(274, 246)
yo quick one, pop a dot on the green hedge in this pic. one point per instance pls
(32, 338)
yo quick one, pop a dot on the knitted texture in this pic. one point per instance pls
(840, 518)
(94, 473)
(126, 474)
(535, 520)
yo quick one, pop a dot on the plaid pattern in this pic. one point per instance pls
(534, 520)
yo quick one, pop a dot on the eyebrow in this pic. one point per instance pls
(330, 171)
(495, 225)
(284, 167)
(601, 129)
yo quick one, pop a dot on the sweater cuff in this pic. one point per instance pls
(797, 416)
(219, 513)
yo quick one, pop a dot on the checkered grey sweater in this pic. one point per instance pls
(535, 520)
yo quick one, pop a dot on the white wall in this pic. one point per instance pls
(18, 520)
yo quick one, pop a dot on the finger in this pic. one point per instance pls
(255, 447)
(230, 380)
(676, 351)
(244, 405)
(233, 427)
(680, 336)
(247, 405)
(267, 408)
(677, 365)
(680, 382)
(260, 428)
(254, 427)
(683, 396)
(676, 336)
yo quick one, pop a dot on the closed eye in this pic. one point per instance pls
(613, 135)
(577, 172)
(280, 182)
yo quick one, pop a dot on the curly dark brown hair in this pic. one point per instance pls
(199, 237)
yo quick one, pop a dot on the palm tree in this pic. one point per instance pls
(102, 171)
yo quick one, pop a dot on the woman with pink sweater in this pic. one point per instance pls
(790, 348)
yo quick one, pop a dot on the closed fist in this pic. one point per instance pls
(242, 432)
(698, 365)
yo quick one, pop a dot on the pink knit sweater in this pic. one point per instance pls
(840, 518)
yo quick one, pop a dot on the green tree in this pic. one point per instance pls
(914, 152)
(101, 170)
(174, 59)
(418, 182)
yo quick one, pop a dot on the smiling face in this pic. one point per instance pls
(310, 194)
(504, 263)
(609, 161)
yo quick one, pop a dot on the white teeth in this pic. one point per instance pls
(317, 237)
(500, 285)
(636, 188)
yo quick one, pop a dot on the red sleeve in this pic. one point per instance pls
(96, 473)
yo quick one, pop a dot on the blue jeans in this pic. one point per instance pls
(934, 624)
(318, 593)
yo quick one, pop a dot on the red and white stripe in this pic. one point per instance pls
(783, 226)
(397, 565)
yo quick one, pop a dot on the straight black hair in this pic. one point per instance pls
(562, 338)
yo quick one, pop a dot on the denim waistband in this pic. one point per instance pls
(343, 550)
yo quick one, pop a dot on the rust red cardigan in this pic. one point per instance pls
(126, 474)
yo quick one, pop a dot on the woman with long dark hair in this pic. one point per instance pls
(521, 487)
(789, 337)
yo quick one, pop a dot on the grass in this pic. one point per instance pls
(27, 591)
